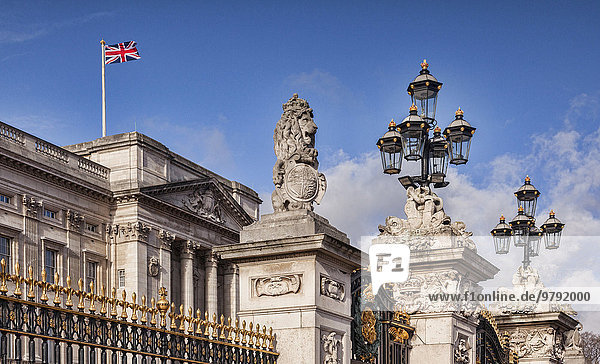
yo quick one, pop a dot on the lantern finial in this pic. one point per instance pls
(527, 179)
(437, 129)
(424, 64)
(502, 218)
(520, 209)
(413, 107)
(459, 112)
(552, 214)
(392, 124)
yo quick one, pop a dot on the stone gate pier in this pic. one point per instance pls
(294, 266)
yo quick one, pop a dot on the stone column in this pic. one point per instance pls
(187, 275)
(230, 292)
(166, 240)
(211, 300)
(32, 253)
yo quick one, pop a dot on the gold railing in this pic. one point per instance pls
(175, 335)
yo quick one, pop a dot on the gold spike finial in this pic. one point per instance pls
(3, 287)
(413, 107)
(31, 283)
(527, 179)
(392, 124)
(17, 279)
(424, 64)
(459, 112)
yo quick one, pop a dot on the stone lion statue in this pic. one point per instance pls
(296, 186)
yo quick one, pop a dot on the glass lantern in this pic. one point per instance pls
(552, 229)
(535, 236)
(527, 196)
(520, 225)
(502, 234)
(414, 131)
(423, 91)
(438, 156)
(390, 146)
(459, 134)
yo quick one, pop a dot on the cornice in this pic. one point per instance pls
(72, 183)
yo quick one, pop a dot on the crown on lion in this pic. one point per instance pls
(297, 105)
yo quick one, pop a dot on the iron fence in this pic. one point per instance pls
(104, 329)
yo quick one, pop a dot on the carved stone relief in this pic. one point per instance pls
(32, 205)
(413, 294)
(331, 348)
(136, 230)
(153, 266)
(427, 226)
(166, 238)
(332, 289)
(462, 350)
(277, 285)
(112, 230)
(202, 201)
(190, 247)
(543, 342)
(573, 343)
(74, 220)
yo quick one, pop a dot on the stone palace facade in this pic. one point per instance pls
(122, 211)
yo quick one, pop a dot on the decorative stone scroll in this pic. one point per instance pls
(330, 348)
(277, 285)
(297, 182)
(332, 289)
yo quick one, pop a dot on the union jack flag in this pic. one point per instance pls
(121, 52)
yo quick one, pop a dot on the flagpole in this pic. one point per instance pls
(102, 43)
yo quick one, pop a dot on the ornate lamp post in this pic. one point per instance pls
(410, 139)
(522, 230)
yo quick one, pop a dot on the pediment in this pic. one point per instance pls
(205, 198)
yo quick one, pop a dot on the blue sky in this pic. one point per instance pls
(213, 76)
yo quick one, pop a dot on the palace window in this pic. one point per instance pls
(91, 228)
(49, 213)
(90, 274)
(4, 198)
(5, 250)
(121, 273)
(50, 260)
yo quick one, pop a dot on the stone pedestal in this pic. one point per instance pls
(437, 335)
(543, 337)
(440, 326)
(294, 275)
